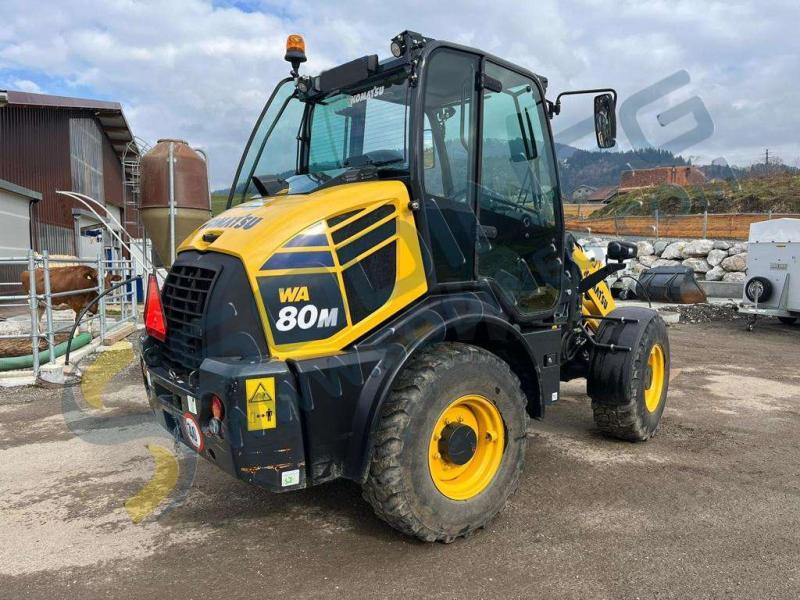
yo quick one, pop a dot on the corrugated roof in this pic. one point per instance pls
(601, 194)
(109, 114)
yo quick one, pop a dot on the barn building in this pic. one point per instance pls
(682, 176)
(50, 143)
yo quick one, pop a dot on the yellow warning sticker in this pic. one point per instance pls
(261, 404)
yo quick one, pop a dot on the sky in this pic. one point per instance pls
(201, 70)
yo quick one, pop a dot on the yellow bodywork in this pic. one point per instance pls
(598, 300)
(259, 230)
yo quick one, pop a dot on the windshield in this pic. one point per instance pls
(361, 128)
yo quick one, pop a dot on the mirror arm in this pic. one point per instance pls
(554, 108)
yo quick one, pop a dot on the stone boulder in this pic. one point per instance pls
(665, 262)
(645, 248)
(697, 248)
(649, 260)
(659, 246)
(716, 256)
(722, 245)
(698, 265)
(674, 251)
(715, 274)
(735, 263)
(636, 268)
(734, 277)
(737, 248)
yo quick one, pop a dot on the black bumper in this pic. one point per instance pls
(248, 445)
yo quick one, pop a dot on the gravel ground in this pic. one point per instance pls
(709, 508)
(705, 313)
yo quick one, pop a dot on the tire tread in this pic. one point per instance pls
(386, 489)
(616, 408)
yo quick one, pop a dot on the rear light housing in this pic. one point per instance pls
(217, 408)
(155, 323)
(217, 414)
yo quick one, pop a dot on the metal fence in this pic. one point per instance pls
(123, 299)
(704, 225)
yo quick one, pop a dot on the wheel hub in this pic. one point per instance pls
(466, 447)
(458, 443)
(655, 377)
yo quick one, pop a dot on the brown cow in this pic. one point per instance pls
(65, 279)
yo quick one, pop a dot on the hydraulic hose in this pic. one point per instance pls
(85, 308)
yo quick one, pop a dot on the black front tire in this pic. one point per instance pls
(399, 485)
(618, 380)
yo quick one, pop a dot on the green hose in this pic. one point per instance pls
(26, 362)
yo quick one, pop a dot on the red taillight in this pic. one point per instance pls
(154, 322)
(217, 409)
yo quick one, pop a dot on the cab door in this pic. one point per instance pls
(519, 234)
(449, 123)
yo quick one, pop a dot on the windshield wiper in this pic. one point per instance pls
(375, 158)
(351, 175)
(363, 167)
(270, 186)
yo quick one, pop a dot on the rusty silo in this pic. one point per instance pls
(174, 176)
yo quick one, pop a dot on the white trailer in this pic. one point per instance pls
(772, 287)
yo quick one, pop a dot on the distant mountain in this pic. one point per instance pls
(728, 172)
(563, 152)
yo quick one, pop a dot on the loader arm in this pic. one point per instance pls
(597, 299)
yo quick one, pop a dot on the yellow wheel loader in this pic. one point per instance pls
(391, 294)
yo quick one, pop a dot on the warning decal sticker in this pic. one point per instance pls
(260, 395)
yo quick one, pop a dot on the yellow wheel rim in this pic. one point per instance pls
(486, 442)
(654, 381)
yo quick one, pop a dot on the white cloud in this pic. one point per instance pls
(187, 69)
(26, 85)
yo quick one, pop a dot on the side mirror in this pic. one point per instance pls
(621, 250)
(605, 120)
(428, 151)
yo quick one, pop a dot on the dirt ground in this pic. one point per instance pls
(709, 508)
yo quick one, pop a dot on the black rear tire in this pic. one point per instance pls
(400, 485)
(619, 382)
(788, 320)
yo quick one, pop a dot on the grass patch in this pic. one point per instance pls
(777, 193)
(218, 203)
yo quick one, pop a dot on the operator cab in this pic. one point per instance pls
(466, 132)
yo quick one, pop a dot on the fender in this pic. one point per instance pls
(472, 317)
(620, 334)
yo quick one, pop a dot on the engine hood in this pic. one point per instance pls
(253, 230)
(324, 268)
